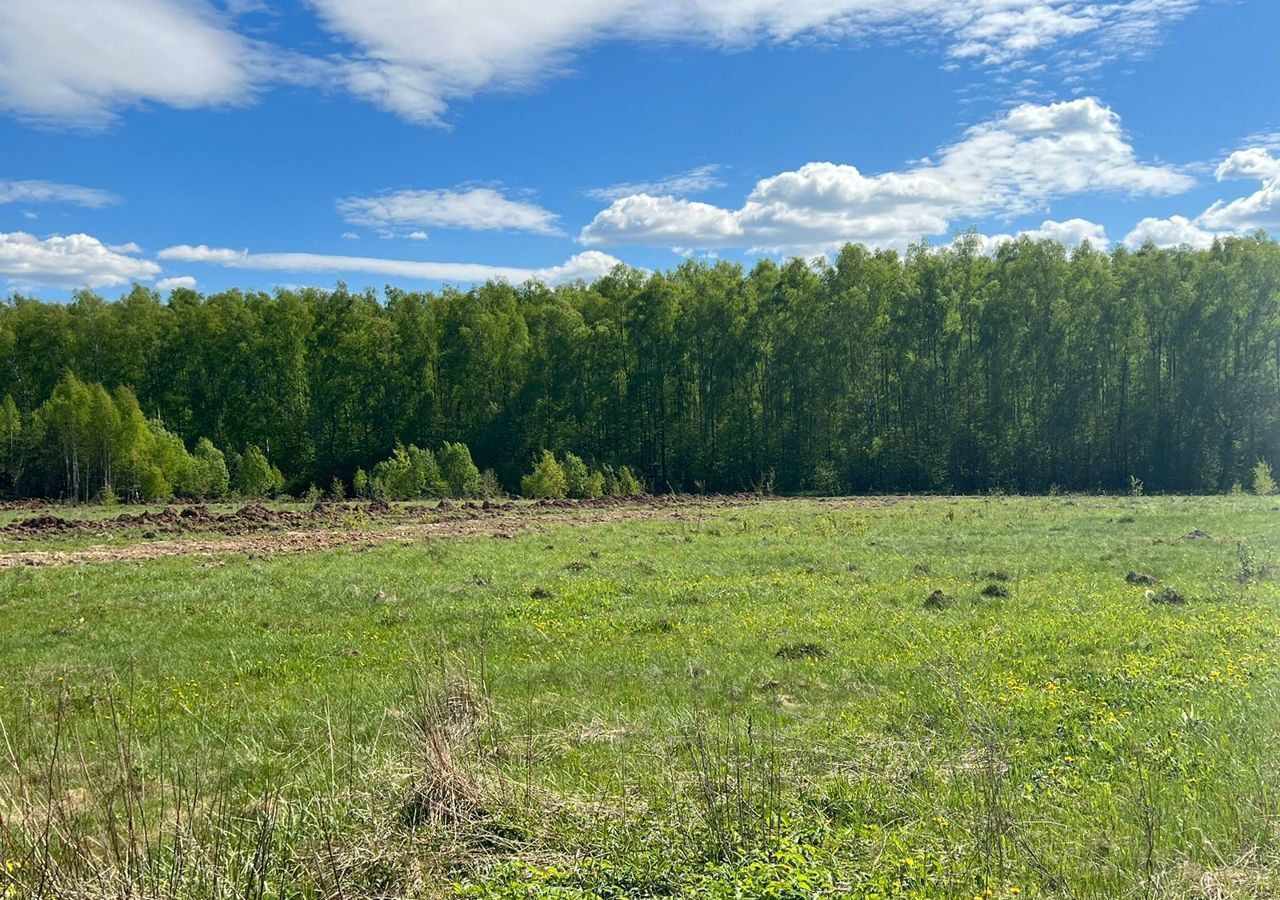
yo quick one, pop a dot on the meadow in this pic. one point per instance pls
(1066, 697)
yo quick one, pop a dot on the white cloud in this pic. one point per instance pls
(1175, 231)
(1071, 234)
(1259, 210)
(474, 209)
(80, 61)
(53, 192)
(695, 181)
(417, 235)
(590, 264)
(350, 236)
(413, 57)
(178, 281)
(73, 260)
(1011, 166)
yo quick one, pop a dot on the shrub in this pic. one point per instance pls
(1264, 482)
(547, 480)
(490, 486)
(170, 456)
(628, 484)
(207, 477)
(313, 494)
(575, 475)
(409, 474)
(458, 471)
(255, 476)
(360, 484)
(337, 490)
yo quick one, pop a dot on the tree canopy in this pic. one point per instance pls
(941, 369)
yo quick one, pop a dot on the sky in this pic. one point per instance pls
(258, 143)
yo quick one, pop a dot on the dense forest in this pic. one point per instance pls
(942, 370)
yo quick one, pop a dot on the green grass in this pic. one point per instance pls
(631, 727)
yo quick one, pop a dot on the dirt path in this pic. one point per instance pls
(504, 525)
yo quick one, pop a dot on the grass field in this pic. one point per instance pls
(927, 697)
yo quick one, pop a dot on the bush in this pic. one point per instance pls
(576, 476)
(411, 473)
(546, 481)
(337, 490)
(255, 476)
(360, 484)
(313, 494)
(458, 471)
(207, 476)
(1264, 482)
(490, 486)
(169, 455)
(627, 484)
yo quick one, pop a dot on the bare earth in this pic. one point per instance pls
(301, 532)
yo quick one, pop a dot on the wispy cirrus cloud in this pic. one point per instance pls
(31, 191)
(470, 209)
(588, 265)
(698, 180)
(415, 57)
(80, 62)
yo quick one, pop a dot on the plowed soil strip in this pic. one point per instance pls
(327, 539)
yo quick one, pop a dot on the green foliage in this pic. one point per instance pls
(490, 486)
(107, 449)
(337, 490)
(10, 444)
(576, 476)
(947, 369)
(627, 484)
(1264, 483)
(256, 477)
(208, 477)
(547, 480)
(410, 473)
(360, 484)
(168, 454)
(458, 471)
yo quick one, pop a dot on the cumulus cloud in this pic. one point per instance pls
(73, 260)
(54, 192)
(1011, 166)
(1261, 209)
(1071, 234)
(695, 181)
(413, 57)
(178, 281)
(1175, 231)
(473, 209)
(588, 265)
(80, 61)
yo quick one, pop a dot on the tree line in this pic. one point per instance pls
(942, 369)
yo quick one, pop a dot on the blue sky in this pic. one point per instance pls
(255, 143)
